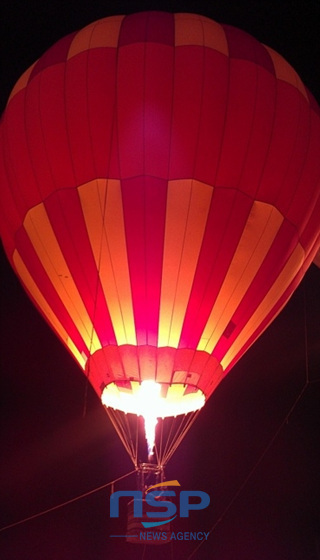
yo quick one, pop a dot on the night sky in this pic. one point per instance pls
(259, 462)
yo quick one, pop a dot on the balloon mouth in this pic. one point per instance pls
(152, 400)
(149, 397)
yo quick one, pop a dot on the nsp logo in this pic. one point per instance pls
(162, 509)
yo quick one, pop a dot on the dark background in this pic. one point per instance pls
(259, 463)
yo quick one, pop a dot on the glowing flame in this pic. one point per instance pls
(174, 403)
(150, 431)
(149, 398)
(145, 400)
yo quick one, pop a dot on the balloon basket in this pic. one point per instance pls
(148, 474)
(137, 534)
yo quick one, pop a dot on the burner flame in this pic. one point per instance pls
(149, 398)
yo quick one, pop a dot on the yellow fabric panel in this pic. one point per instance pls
(285, 72)
(104, 33)
(284, 279)
(22, 82)
(45, 244)
(203, 32)
(260, 230)
(176, 392)
(180, 377)
(187, 210)
(101, 202)
(45, 308)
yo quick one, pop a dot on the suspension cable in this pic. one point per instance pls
(273, 438)
(67, 502)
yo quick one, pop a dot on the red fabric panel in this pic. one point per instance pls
(310, 175)
(113, 363)
(158, 91)
(291, 194)
(103, 367)
(130, 362)
(37, 150)
(89, 92)
(147, 363)
(210, 377)
(276, 309)
(37, 271)
(65, 214)
(16, 152)
(130, 109)
(9, 215)
(260, 133)
(183, 360)
(56, 54)
(244, 46)
(101, 94)
(97, 372)
(238, 122)
(188, 83)
(147, 26)
(165, 364)
(227, 217)
(144, 203)
(212, 117)
(200, 361)
(113, 359)
(52, 113)
(78, 125)
(313, 102)
(281, 249)
(307, 236)
(282, 143)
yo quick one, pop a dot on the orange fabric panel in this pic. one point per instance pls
(278, 288)
(103, 213)
(258, 235)
(22, 82)
(285, 72)
(45, 244)
(187, 210)
(191, 29)
(103, 33)
(34, 290)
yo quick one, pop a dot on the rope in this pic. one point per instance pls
(188, 420)
(246, 480)
(67, 502)
(269, 445)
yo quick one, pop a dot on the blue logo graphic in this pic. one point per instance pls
(189, 500)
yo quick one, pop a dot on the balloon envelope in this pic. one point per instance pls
(160, 198)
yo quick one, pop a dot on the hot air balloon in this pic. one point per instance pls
(160, 202)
